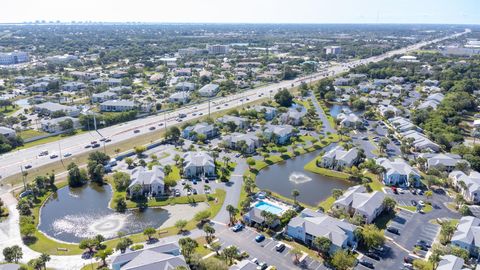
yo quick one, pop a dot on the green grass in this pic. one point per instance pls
(47, 140)
(42, 243)
(49, 246)
(30, 133)
(376, 185)
(312, 167)
(428, 208)
(174, 175)
(9, 110)
(327, 204)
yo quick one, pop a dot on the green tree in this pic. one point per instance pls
(202, 216)
(123, 244)
(103, 254)
(13, 254)
(121, 180)
(336, 193)
(149, 232)
(75, 176)
(129, 162)
(181, 224)
(295, 194)
(232, 211)
(370, 236)
(341, 260)
(322, 244)
(139, 150)
(88, 243)
(230, 253)
(389, 204)
(209, 231)
(188, 246)
(120, 204)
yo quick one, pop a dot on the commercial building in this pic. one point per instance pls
(13, 58)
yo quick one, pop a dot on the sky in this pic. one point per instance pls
(244, 11)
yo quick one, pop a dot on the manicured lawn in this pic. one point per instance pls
(30, 133)
(376, 185)
(41, 243)
(203, 251)
(174, 175)
(312, 167)
(327, 204)
(306, 138)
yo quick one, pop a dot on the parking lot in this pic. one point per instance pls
(390, 260)
(412, 228)
(265, 250)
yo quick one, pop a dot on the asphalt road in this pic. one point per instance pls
(11, 163)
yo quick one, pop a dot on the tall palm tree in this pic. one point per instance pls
(295, 194)
(187, 187)
(232, 211)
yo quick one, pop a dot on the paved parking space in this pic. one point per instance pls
(265, 250)
(391, 260)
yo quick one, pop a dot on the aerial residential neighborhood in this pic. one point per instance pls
(188, 135)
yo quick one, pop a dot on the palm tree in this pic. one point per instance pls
(295, 194)
(207, 187)
(44, 258)
(103, 254)
(188, 188)
(209, 231)
(215, 247)
(232, 211)
(296, 254)
(225, 161)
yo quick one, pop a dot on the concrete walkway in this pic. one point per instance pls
(233, 189)
(10, 235)
(322, 115)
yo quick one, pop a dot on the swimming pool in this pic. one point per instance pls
(264, 206)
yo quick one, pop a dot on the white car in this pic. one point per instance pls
(421, 203)
(400, 191)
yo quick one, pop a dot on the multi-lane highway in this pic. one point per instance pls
(12, 163)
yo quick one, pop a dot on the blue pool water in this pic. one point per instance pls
(264, 206)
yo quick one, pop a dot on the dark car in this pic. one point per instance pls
(280, 247)
(195, 192)
(366, 264)
(238, 227)
(259, 238)
(28, 166)
(373, 256)
(414, 203)
(422, 245)
(96, 145)
(136, 131)
(151, 128)
(393, 230)
(409, 259)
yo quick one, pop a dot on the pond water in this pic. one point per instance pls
(76, 213)
(285, 176)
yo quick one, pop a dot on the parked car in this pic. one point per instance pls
(259, 238)
(183, 182)
(409, 259)
(419, 192)
(421, 203)
(422, 244)
(262, 266)
(394, 189)
(366, 264)
(400, 191)
(393, 230)
(195, 192)
(280, 247)
(254, 260)
(177, 193)
(238, 227)
(372, 255)
(413, 202)
(194, 181)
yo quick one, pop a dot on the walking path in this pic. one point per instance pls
(322, 115)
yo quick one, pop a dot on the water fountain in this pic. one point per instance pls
(299, 178)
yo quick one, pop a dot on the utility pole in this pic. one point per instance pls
(23, 178)
(165, 120)
(208, 107)
(60, 153)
